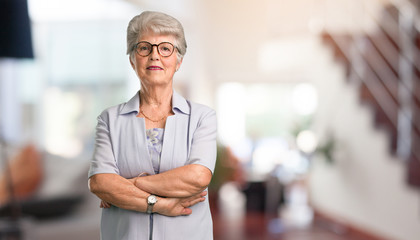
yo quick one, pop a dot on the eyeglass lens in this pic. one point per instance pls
(165, 49)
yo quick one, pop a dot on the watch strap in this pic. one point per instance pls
(150, 204)
(149, 208)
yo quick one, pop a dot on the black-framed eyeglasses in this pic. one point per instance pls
(144, 49)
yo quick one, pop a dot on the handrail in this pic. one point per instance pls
(386, 46)
(378, 90)
(388, 77)
(407, 5)
(388, 69)
(387, 49)
(392, 24)
(401, 32)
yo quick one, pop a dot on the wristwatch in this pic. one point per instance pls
(151, 200)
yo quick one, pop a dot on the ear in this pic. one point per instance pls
(178, 64)
(131, 62)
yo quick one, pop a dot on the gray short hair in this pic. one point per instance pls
(158, 23)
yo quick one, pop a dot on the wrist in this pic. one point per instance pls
(159, 206)
(136, 182)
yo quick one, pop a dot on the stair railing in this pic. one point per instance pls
(407, 64)
(381, 80)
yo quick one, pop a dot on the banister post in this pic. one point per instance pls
(406, 82)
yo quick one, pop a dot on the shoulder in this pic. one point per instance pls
(200, 110)
(202, 114)
(111, 113)
(126, 108)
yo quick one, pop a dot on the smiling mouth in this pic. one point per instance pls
(154, 68)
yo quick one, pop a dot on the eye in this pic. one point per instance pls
(143, 46)
(166, 49)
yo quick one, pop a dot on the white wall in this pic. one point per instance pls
(366, 185)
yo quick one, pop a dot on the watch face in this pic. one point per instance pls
(152, 199)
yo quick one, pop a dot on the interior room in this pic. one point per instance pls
(317, 101)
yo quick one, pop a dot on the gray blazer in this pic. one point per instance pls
(121, 148)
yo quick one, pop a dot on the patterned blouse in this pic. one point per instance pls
(154, 141)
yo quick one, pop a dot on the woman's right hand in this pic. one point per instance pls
(178, 206)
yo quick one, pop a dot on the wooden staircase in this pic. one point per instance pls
(385, 64)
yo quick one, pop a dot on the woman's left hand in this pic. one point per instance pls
(104, 204)
(178, 206)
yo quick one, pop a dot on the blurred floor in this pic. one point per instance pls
(255, 226)
(82, 224)
(294, 221)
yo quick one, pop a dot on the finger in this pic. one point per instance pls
(186, 211)
(202, 194)
(193, 202)
(104, 205)
(199, 195)
(196, 198)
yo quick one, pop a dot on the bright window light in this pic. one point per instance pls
(231, 113)
(60, 127)
(307, 141)
(269, 153)
(305, 99)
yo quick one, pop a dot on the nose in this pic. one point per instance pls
(155, 53)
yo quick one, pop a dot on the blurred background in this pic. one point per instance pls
(317, 101)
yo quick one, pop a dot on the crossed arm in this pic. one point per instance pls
(179, 188)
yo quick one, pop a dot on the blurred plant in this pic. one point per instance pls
(227, 169)
(327, 149)
(301, 124)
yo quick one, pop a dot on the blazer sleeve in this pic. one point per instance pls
(203, 145)
(103, 160)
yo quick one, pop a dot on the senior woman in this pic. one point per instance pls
(155, 154)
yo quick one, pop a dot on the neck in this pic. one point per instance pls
(156, 97)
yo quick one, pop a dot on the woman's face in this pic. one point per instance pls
(155, 69)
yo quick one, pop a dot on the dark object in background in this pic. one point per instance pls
(10, 229)
(15, 29)
(255, 194)
(47, 208)
(15, 42)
